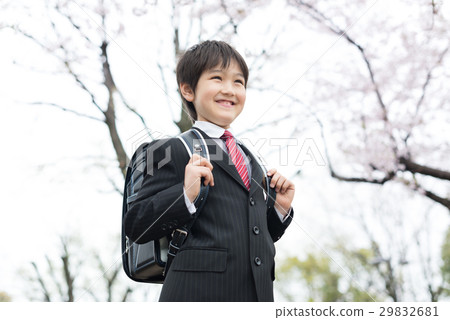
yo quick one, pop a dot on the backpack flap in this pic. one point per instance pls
(148, 260)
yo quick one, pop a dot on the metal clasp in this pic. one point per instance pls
(197, 148)
(180, 231)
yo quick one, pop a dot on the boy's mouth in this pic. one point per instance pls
(225, 103)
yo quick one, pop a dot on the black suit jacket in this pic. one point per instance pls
(229, 253)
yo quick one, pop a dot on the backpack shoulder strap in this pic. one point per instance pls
(194, 142)
(193, 138)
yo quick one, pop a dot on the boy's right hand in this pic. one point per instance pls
(197, 168)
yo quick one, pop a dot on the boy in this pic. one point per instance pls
(229, 253)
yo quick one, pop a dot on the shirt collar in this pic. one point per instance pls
(211, 129)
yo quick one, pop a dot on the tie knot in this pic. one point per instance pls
(227, 135)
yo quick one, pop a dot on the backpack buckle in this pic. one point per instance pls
(197, 148)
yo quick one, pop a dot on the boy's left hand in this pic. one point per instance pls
(285, 191)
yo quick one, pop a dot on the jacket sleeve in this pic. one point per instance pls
(276, 227)
(159, 207)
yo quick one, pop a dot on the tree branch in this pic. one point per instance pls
(427, 80)
(67, 110)
(67, 64)
(83, 86)
(261, 125)
(424, 88)
(67, 274)
(388, 175)
(230, 17)
(52, 273)
(72, 22)
(110, 114)
(116, 188)
(327, 22)
(31, 37)
(125, 295)
(425, 170)
(42, 283)
(122, 98)
(443, 201)
(184, 123)
(64, 61)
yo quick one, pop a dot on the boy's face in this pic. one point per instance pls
(220, 95)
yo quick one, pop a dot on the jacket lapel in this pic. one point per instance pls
(257, 173)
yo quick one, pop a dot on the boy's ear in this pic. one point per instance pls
(187, 92)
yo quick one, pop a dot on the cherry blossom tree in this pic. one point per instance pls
(382, 101)
(82, 36)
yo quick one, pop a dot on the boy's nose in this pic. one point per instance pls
(227, 88)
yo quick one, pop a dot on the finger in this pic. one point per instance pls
(210, 178)
(195, 159)
(271, 172)
(204, 174)
(198, 160)
(208, 164)
(205, 163)
(207, 174)
(280, 182)
(274, 180)
(285, 186)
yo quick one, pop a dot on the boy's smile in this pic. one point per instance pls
(219, 96)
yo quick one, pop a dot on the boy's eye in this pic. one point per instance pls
(216, 77)
(240, 81)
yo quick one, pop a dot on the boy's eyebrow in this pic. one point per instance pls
(214, 70)
(221, 71)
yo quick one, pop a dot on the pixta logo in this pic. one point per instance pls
(153, 162)
(151, 140)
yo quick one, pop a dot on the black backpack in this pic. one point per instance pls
(150, 261)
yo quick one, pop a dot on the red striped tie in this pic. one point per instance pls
(236, 157)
